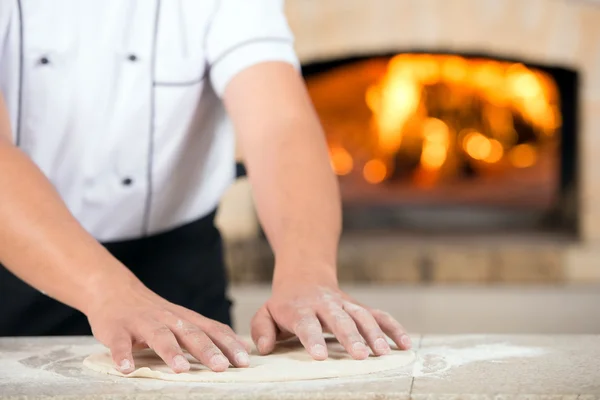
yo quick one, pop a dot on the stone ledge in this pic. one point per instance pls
(389, 259)
(582, 264)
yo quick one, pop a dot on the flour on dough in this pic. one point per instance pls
(289, 362)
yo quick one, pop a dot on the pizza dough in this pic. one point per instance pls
(289, 362)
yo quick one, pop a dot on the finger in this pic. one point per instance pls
(368, 328)
(121, 352)
(232, 345)
(224, 337)
(345, 330)
(263, 331)
(160, 339)
(199, 345)
(307, 327)
(392, 328)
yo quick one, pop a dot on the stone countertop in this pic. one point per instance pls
(476, 366)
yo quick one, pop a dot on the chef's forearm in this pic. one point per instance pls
(298, 201)
(296, 192)
(43, 244)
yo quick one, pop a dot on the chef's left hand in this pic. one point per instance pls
(307, 308)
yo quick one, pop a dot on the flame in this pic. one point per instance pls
(496, 152)
(477, 146)
(341, 161)
(436, 140)
(448, 109)
(523, 156)
(393, 102)
(375, 171)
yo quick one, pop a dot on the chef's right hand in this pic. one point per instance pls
(135, 317)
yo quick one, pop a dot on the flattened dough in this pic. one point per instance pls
(289, 362)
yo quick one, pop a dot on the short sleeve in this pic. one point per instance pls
(244, 33)
(5, 14)
(10, 61)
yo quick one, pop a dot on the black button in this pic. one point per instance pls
(132, 58)
(44, 60)
(127, 181)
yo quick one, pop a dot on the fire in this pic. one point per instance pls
(375, 171)
(523, 156)
(394, 104)
(436, 138)
(479, 147)
(447, 110)
(341, 160)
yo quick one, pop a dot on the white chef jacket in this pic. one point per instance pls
(118, 101)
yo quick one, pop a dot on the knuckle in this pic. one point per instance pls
(163, 349)
(190, 330)
(368, 322)
(120, 346)
(386, 318)
(121, 352)
(224, 327)
(160, 333)
(304, 311)
(353, 308)
(299, 325)
(306, 323)
(224, 330)
(119, 337)
(218, 326)
(199, 337)
(363, 313)
(230, 342)
(350, 330)
(173, 350)
(379, 312)
(355, 338)
(221, 331)
(166, 314)
(210, 350)
(375, 334)
(123, 324)
(342, 319)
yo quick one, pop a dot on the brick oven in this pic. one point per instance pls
(434, 142)
(465, 134)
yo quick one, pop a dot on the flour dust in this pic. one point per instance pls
(436, 361)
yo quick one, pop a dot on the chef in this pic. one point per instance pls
(117, 122)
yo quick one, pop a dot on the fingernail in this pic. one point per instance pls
(319, 350)
(262, 344)
(181, 363)
(406, 342)
(382, 346)
(359, 347)
(242, 358)
(125, 365)
(219, 360)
